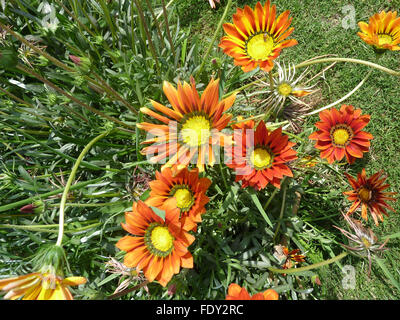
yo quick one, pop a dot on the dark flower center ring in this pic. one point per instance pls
(261, 158)
(341, 135)
(159, 240)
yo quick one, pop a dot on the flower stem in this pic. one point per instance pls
(271, 80)
(228, 5)
(86, 106)
(341, 99)
(311, 62)
(146, 29)
(48, 194)
(271, 197)
(223, 176)
(357, 61)
(101, 204)
(284, 186)
(126, 291)
(164, 10)
(69, 183)
(310, 267)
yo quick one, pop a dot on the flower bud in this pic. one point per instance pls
(50, 259)
(36, 207)
(82, 63)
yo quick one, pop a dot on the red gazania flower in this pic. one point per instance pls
(184, 190)
(382, 32)
(235, 292)
(340, 134)
(368, 193)
(190, 128)
(256, 37)
(260, 157)
(159, 247)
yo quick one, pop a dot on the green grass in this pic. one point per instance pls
(42, 136)
(319, 31)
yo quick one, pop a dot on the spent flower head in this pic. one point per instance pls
(127, 275)
(364, 241)
(285, 86)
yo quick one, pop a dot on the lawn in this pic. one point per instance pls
(93, 71)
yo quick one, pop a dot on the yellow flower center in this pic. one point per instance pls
(341, 136)
(196, 131)
(260, 46)
(183, 198)
(260, 158)
(365, 194)
(161, 239)
(285, 89)
(366, 243)
(384, 39)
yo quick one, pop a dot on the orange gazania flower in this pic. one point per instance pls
(292, 256)
(382, 32)
(235, 292)
(260, 157)
(159, 246)
(190, 128)
(39, 286)
(340, 134)
(184, 190)
(288, 258)
(367, 193)
(256, 38)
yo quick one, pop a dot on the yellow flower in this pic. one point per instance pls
(39, 286)
(256, 37)
(382, 32)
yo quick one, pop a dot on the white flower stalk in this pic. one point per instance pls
(365, 241)
(285, 86)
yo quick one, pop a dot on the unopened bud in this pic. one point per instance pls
(82, 63)
(36, 207)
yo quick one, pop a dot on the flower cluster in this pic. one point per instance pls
(194, 125)
(185, 136)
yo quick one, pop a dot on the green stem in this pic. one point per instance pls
(81, 103)
(112, 92)
(310, 267)
(69, 183)
(223, 175)
(102, 204)
(341, 99)
(27, 104)
(357, 61)
(63, 155)
(37, 50)
(216, 33)
(167, 27)
(41, 228)
(276, 190)
(308, 63)
(155, 21)
(49, 194)
(284, 185)
(271, 81)
(146, 29)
